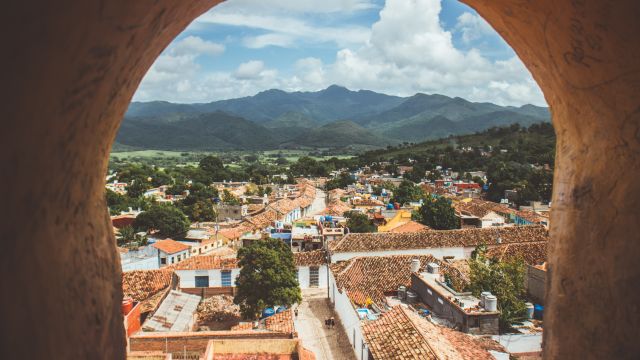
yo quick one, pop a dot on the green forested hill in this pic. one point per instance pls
(274, 119)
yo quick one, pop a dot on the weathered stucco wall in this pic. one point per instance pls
(584, 54)
(70, 68)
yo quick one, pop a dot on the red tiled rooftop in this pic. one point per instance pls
(309, 258)
(370, 278)
(394, 337)
(142, 284)
(170, 246)
(411, 226)
(207, 262)
(361, 242)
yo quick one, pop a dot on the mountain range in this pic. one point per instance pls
(335, 117)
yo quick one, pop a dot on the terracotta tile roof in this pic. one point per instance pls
(235, 232)
(447, 343)
(170, 246)
(309, 258)
(281, 322)
(261, 220)
(142, 284)
(411, 226)
(533, 253)
(367, 202)
(284, 206)
(480, 208)
(252, 208)
(337, 208)
(365, 278)
(355, 242)
(242, 326)
(394, 337)
(207, 262)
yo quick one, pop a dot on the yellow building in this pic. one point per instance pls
(402, 217)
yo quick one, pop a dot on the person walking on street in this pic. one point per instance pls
(332, 322)
(296, 312)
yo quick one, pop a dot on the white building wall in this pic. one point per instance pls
(188, 277)
(457, 252)
(304, 277)
(173, 258)
(349, 319)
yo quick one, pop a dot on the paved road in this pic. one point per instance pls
(319, 203)
(326, 344)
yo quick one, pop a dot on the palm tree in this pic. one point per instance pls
(126, 235)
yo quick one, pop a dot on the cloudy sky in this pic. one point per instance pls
(399, 47)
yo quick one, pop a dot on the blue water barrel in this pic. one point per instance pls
(538, 311)
(281, 309)
(328, 218)
(389, 206)
(268, 312)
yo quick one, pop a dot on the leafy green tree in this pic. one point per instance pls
(307, 166)
(407, 192)
(203, 211)
(504, 279)
(168, 220)
(137, 187)
(213, 168)
(267, 278)
(358, 222)
(417, 174)
(229, 199)
(437, 213)
(118, 203)
(342, 181)
(127, 236)
(434, 175)
(211, 164)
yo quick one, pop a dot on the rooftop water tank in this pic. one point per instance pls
(402, 292)
(415, 265)
(538, 311)
(268, 312)
(482, 296)
(530, 310)
(389, 206)
(433, 268)
(280, 309)
(491, 303)
(412, 297)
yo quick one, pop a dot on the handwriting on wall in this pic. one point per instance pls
(585, 45)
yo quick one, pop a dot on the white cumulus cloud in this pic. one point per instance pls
(406, 51)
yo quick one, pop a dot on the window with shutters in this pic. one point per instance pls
(202, 281)
(226, 277)
(314, 276)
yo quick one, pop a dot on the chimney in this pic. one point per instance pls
(415, 265)
(433, 268)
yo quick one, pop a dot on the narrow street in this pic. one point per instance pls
(326, 344)
(319, 203)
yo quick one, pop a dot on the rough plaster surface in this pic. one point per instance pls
(585, 54)
(70, 68)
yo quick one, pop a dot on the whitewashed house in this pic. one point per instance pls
(171, 251)
(312, 270)
(438, 243)
(208, 271)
